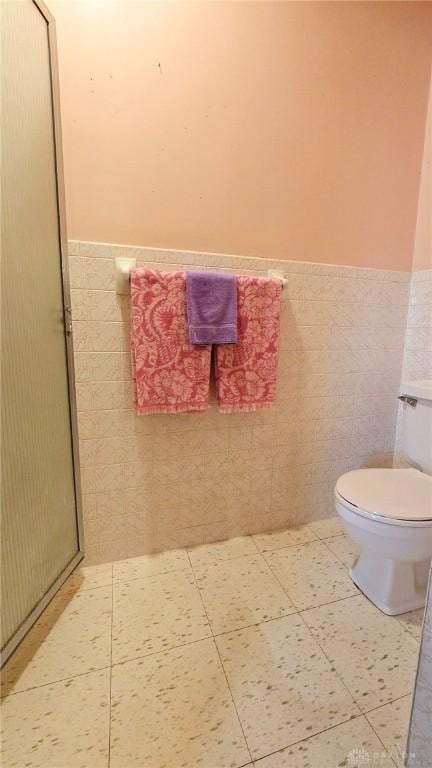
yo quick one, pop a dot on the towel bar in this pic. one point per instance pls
(124, 265)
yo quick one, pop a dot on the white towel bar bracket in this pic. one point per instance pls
(124, 265)
(279, 275)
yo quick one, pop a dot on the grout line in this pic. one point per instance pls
(52, 682)
(144, 252)
(243, 270)
(338, 600)
(394, 746)
(149, 575)
(405, 627)
(301, 741)
(334, 553)
(257, 624)
(74, 592)
(163, 650)
(225, 560)
(222, 665)
(388, 751)
(296, 544)
(332, 665)
(284, 590)
(393, 701)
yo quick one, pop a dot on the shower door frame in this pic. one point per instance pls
(22, 630)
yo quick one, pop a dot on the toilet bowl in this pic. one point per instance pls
(388, 513)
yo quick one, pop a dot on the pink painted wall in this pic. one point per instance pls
(289, 130)
(423, 236)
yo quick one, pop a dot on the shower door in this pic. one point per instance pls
(41, 522)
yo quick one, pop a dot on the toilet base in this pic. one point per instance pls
(394, 586)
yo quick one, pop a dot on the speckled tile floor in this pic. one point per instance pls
(258, 651)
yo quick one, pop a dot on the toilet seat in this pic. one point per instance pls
(393, 496)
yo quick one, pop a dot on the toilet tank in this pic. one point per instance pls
(417, 423)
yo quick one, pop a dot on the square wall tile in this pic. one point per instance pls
(342, 333)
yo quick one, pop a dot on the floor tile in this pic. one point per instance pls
(373, 654)
(63, 725)
(221, 550)
(151, 565)
(155, 614)
(283, 686)
(391, 723)
(299, 534)
(413, 622)
(345, 549)
(241, 592)
(174, 709)
(89, 577)
(311, 574)
(71, 637)
(329, 526)
(350, 744)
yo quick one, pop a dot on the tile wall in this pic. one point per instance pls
(417, 363)
(165, 481)
(417, 358)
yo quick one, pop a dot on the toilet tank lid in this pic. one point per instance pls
(421, 389)
(401, 494)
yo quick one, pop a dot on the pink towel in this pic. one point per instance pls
(170, 375)
(246, 371)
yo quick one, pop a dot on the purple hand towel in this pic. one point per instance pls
(211, 299)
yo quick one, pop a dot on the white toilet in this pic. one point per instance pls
(388, 513)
